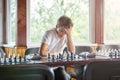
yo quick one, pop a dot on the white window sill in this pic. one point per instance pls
(8, 45)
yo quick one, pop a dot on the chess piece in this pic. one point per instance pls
(53, 57)
(48, 55)
(59, 56)
(25, 58)
(111, 54)
(79, 56)
(10, 59)
(72, 56)
(20, 58)
(15, 59)
(5, 59)
(68, 56)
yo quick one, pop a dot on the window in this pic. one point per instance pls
(112, 21)
(11, 20)
(44, 14)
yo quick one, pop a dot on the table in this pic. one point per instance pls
(81, 61)
(64, 62)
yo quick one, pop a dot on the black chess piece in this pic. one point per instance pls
(20, 58)
(79, 56)
(57, 57)
(10, 59)
(68, 56)
(111, 54)
(15, 59)
(25, 58)
(72, 56)
(60, 56)
(53, 57)
(5, 59)
(48, 55)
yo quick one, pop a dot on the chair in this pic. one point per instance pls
(26, 72)
(80, 49)
(2, 52)
(102, 70)
(32, 50)
(77, 70)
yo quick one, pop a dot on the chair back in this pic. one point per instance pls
(32, 50)
(80, 49)
(102, 70)
(26, 72)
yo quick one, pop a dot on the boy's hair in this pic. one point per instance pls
(65, 22)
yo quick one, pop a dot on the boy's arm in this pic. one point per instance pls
(70, 45)
(43, 50)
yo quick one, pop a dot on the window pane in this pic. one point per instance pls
(12, 20)
(44, 14)
(112, 20)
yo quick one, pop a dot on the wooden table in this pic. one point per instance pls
(81, 61)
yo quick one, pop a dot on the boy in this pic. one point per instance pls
(55, 40)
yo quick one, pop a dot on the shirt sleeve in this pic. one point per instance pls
(46, 38)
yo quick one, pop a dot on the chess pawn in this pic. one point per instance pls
(72, 56)
(20, 58)
(15, 59)
(25, 58)
(57, 57)
(60, 56)
(68, 56)
(79, 56)
(53, 57)
(10, 58)
(48, 55)
(5, 58)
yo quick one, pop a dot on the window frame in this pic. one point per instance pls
(1, 15)
(91, 26)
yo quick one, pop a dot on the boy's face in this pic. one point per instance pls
(61, 31)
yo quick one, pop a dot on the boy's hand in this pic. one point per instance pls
(68, 31)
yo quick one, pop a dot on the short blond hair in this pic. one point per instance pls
(65, 22)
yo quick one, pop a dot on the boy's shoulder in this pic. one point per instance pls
(51, 31)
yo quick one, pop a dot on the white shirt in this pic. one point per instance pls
(55, 43)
